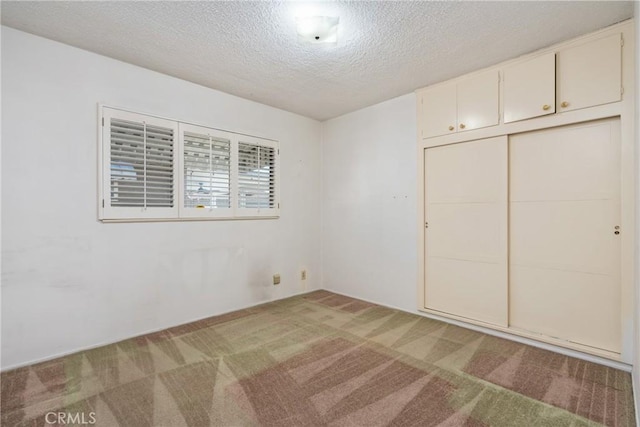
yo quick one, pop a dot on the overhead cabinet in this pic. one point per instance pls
(468, 104)
(530, 88)
(573, 78)
(590, 74)
(582, 76)
(439, 110)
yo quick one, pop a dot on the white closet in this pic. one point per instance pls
(521, 232)
(527, 222)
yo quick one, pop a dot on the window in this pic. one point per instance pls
(256, 176)
(206, 172)
(155, 168)
(140, 171)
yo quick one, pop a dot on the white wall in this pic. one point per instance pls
(636, 359)
(69, 281)
(369, 203)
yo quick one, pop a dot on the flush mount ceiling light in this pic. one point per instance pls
(317, 29)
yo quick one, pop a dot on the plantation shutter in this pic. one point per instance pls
(161, 169)
(139, 161)
(257, 177)
(206, 172)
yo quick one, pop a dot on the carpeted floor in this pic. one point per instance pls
(313, 360)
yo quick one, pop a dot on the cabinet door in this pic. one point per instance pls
(590, 74)
(478, 101)
(564, 253)
(466, 238)
(439, 110)
(530, 88)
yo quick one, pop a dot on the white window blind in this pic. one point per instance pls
(256, 176)
(206, 172)
(155, 168)
(139, 154)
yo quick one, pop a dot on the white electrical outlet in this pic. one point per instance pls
(303, 275)
(276, 279)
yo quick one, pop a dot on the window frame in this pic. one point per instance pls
(178, 212)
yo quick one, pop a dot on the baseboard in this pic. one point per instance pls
(556, 349)
(91, 347)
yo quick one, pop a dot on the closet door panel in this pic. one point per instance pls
(583, 308)
(564, 254)
(568, 235)
(468, 172)
(466, 238)
(471, 231)
(475, 290)
(570, 163)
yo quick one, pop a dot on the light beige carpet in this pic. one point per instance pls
(314, 360)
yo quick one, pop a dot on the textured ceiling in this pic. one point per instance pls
(250, 49)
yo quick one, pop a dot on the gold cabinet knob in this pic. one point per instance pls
(462, 126)
(564, 104)
(545, 107)
(451, 128)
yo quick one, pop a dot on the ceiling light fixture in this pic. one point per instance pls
(317, 29)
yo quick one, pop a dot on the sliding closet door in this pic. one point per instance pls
(466, 230)
(564, 250)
